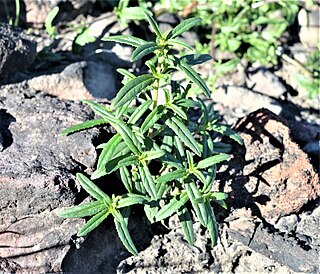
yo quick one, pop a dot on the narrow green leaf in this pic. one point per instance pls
(151, 210)
(132, 199)
(125, 39)
(84, 210)
(127, 135)
(184, 134)
(200, 209)
(49, 19)
(131, 160)
(152, 118)
(124, 234)
(126, 73)
(151, 155)
(179, 43)
(212, 224)
(224, 130)
(114, 164)
(193, 76)
(177, 174)
(100, 110)
(174, 205)
(139, 111)
(107, 152)
(186, 224)
(143, 50)
(93, 222)
(178, 111)
(218, 196)
(148, 181)
(92, 189)
(208, 162)
(153, 24)
(82, 126)
(126, 178)
(195, 59)
(167, 143)
(210, 177)
(183, 26)
(130, 91)
(186, 103)
(199, 175)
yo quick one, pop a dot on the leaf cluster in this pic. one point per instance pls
(165, 159)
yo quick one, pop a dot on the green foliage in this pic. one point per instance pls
(51, 30)
(311, 83)
(166, 162)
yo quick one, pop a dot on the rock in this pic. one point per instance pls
(81, 80)
(37, 10)
(309, 226)
(277, 176)
(309, 26)
(37, 168)
(246, 101)
(287, 224)
(17, 50)
(265, 82)
(313, 148)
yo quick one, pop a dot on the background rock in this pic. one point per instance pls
(78, 81)
(17, 50)
(37, 168)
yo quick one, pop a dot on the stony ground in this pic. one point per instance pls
(271, 225)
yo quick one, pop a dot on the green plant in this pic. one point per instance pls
(310, 80)
(251, 29)
(125, 13)
(17, 13)
(51, 30)
(165, 159)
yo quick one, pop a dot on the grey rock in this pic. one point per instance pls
(236, 102)
(37, 168)
(312, 148)
(17, 50)
(81, 80)
(287, 224)
(309, 226)
(265, 82)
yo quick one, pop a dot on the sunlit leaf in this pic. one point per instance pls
(125, 39)
(93, 222)
(132, 199)
(153, 24)
(183, 26)
(200, 209)
(92, 189)
(184, 134)
(84, 210)
(124, 234)
(82, 126)
(193, 76)
(143, 50)
(196, 59)
(186, 224)
(129, 92)
(174, 205)
(208, 162)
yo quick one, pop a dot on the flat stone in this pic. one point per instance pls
(278, 174)
(17, 50)
(37, 178)
(78, 81)
(265, 82)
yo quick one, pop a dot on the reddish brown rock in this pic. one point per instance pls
(277, 173)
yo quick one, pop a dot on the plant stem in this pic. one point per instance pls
(156, 93)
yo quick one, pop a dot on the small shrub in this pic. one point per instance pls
(166, 160)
